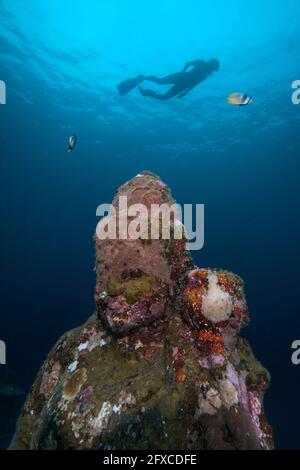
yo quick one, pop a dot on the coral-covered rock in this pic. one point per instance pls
(159, 365)
(136, 277)
(214, 305)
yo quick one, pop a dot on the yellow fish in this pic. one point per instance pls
(239, 99)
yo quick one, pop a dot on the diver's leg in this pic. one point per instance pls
(173, 91)
(168, 80)
(152, 78)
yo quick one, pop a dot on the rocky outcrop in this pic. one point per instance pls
(159, 365)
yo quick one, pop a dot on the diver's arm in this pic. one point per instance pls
(192, 64)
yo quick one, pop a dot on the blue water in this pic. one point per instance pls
(61, 61)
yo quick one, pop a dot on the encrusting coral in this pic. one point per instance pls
(159, 364)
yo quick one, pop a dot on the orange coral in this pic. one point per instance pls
(229, 282)
(180, 375)
(196, 288)
(211, 340)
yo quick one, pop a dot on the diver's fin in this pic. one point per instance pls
(128, 85)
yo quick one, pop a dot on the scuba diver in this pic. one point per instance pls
(183, 82)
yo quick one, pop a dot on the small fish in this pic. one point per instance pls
(10, 390)
(72, 143)
(8, 384)
(239, 99)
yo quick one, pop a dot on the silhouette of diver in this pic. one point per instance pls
(183, 82)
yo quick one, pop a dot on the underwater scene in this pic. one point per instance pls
(149, 182)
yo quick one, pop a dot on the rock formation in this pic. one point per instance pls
(159, 365)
